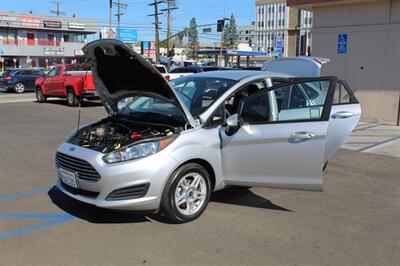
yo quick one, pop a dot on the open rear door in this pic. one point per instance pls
(344, 116)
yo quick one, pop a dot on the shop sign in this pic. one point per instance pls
(76, 26)
(52, 24)
(30, 21)
(54, 51)
(7, 18)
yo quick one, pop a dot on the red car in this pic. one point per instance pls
(72, 82)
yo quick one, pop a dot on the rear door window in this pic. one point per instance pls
(343, 94)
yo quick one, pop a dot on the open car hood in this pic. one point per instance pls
(119, 72)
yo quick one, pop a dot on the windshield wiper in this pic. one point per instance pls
(154, 115)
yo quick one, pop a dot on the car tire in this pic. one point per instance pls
(40, 98)
(72, 100)
(19, 87)
(182, 200)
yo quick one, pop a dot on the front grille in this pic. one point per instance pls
(79, 191)
(83, 169)
(134, 192)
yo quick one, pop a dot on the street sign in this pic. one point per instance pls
(127, 35)
(278, 46)
(342, 44)
(206, 30)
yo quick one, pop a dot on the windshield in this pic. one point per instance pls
(198, 93)
(150, 109)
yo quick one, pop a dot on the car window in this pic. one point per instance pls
(287, 103)
(26, 72)
(54, 72)
(198, 93)
(256, 109)
(16, 73)
(343, 95)
(161, 69)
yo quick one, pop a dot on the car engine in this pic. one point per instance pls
(107, 136)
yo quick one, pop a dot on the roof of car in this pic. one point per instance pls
(239, 74)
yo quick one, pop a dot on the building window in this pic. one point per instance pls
(50, 36)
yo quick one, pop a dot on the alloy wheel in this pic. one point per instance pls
(190, 193)
(19, 87)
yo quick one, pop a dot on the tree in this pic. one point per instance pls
(193, 39)
(233, 34)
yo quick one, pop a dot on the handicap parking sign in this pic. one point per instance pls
(342, 44)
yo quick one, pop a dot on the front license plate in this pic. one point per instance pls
(68, 177)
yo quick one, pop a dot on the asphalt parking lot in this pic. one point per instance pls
(355, 221)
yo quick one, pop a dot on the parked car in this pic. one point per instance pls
(185, 71)
(301, 66)
(72, 82)
(170, 144)
(20, 80)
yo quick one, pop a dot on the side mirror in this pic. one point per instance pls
(232, 124)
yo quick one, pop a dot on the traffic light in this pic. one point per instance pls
(250, 42)
(171, 53)
(220, 25)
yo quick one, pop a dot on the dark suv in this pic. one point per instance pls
(20, 80)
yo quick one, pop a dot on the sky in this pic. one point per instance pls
(205, 11)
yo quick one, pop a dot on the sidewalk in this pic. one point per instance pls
(375, 138)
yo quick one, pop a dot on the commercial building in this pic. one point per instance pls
(247, 34)
(28, 40)
(282, 30)
(362, 38)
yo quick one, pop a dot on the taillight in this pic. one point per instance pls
(7, 78)
(167, 77)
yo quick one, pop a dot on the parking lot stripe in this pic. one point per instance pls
(376, 144)
(21, 195)
(364, 128)
(54, 219)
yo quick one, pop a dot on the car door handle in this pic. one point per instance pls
(342, 115)
(298, 137)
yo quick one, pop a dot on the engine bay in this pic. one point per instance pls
(110, 134)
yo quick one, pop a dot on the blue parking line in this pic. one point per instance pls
(54, 219)
(21, 195)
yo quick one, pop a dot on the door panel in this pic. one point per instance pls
(344, 117)
(266, 155)
(279, 144)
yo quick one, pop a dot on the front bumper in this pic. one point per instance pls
(154, 170)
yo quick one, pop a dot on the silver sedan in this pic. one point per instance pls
(166, 146)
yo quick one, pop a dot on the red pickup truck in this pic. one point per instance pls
(72, 82)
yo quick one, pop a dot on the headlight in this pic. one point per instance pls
(139, 150)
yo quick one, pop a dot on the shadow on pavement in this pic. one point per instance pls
(64, 102)
(233, 195)
(242, 196)
(91, 213)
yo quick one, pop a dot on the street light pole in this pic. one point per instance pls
(110, 21)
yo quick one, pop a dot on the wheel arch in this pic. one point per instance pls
(206, 165)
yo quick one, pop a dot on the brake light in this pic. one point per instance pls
(7, 78)
(167, 77)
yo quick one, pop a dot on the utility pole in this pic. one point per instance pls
(119, 5)
(110, 20)
(58, 11)
(156, 23)
(171, 6)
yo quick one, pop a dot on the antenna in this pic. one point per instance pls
(80, 102)
(58, 11)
